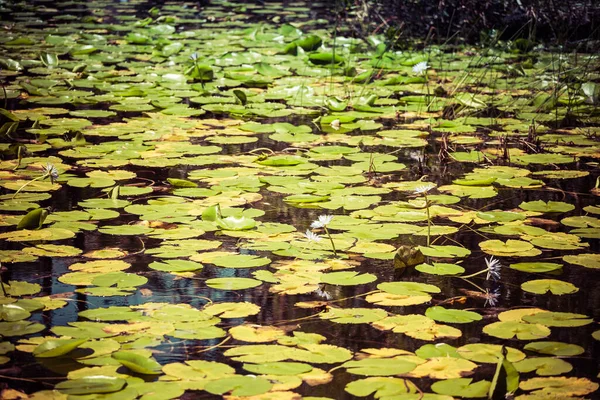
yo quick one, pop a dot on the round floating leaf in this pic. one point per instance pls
(232, 310)
(488, 353)
(381, 387)
(512, 248)
(554, 286)
(442, 314)
(347, 278)
(551, 206)
(176, 266)
(440, 269)
(229, 260)
(256, 333)
(91, 385)
(555, 348)
(544, 366)
(561, 319)
(538, 267)
(408, 288)
(437, 350)
(585, 260)
(239, 386)
(13, 312)
(119, 280)
(444, 368)
(40, 234)
(379, 366)
(444, 251)
(559, 386)
(137, 362)
(500, 216)
(20, 328)
(125, 230)
(58, 347)
(18, 288)
(520, 330)
(232, 283)
(278, 368)
(353, 315)
(462, 387)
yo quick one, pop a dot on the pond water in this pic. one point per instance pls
(246, 201)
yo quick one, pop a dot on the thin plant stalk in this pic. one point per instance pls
(428, 219)
(31, 181)
(331, 240)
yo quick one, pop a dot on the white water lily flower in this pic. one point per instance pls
(493, 266)
(322, 221)
(312, 237)
(422, 189)
(420, 68)
(335, 124)
(51, 171)
(194, 56)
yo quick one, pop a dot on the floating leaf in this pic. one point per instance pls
(520, 330)
(554, 286)
(56, 348)
(91, 385)
(278, 368)
(444, 368)
(232, 310)
(137, 362)
(381, 387)
(551, 206)
(462, 387)
(585, 260)
(544, 366)
(379, 366)
(559, 386)
(347, 278)
(555, 348)
(353, 315)
(442, 314)
(232, 283)
(239, 386)
(562, 319)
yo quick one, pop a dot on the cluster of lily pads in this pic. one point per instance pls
(306, 190)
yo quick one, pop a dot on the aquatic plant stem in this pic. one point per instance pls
(474, 274)
(428, 219)
(331, 240)
(31, 181)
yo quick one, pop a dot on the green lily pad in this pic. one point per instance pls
(232, 283)
(585, 260)
(353, 315)
(561, 319)
(442, 314)
(544, 366)
(379, 366)
(462, 387)
(555, 348)
(551, 206)
(347, 278)
(91, 385)
(554, 286)
(137, 362)
(239, 386)
(56, 348)
(519, 330)
(278, 368)
(538, 267)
